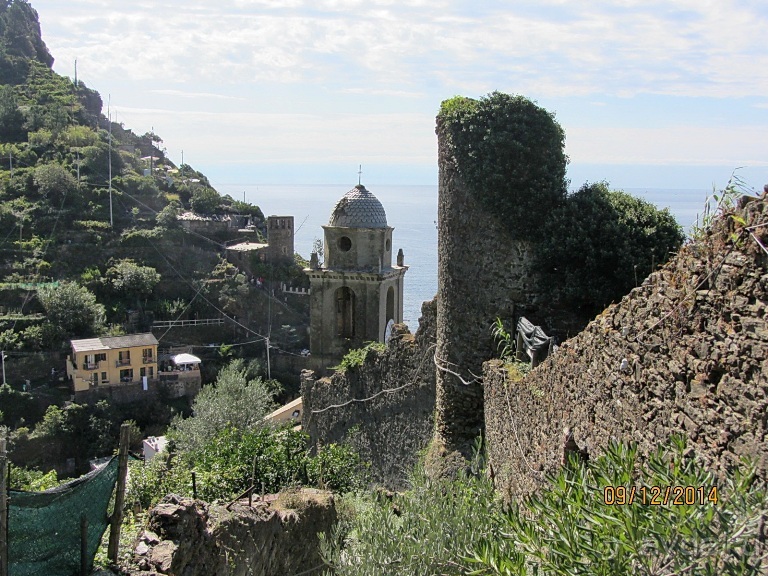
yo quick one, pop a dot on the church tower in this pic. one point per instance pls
(357, 292)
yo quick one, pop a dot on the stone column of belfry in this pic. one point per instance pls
(475, 286)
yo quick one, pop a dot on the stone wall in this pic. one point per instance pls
(274, 536)
(391, 428)
(134, 391)
(687, 351)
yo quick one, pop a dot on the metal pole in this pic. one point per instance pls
(117, 515)
(269, 368)
(3, 507)
(84, 568)
(2, 354)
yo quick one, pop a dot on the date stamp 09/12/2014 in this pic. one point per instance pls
(659, 495)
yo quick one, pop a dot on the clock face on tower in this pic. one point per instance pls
(388, 331)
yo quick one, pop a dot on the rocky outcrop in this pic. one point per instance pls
(384, 407)
(277, 536)
(686, 352)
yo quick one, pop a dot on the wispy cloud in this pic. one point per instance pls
(185, 94)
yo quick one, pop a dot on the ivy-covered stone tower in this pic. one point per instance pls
(357, 292)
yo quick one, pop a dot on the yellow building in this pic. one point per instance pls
(111, 361)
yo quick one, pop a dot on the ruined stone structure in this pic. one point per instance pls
(482, 275)
(280, 238)
(685, 352)
(276, 536)
(358, 292)
(388, 403)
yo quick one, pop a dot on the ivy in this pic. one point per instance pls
(510, 153)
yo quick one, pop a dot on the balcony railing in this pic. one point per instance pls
(148, 360)
(123, 362)
(90, 365)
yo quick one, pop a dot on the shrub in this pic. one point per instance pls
(423, 531)
(357, 356)
(510, 153)
(570, 529)
(599, 244)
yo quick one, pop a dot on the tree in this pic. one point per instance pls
(131, 279)
(71, 310)
(234, 401)
(11, 118)
(205, 200)
(54, 181)
(600, 244)
(168, 217)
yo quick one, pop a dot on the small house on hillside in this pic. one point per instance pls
(112, 361)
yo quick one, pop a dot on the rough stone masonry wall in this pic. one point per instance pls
(687, 351)
(390, 429)
(482, 275)
(191, 538)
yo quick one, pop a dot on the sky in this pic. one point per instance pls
(650, 93)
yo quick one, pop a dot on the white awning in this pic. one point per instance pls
(185, 359)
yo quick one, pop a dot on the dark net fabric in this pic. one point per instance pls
(44, 527)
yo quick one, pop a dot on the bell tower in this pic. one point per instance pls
(357, 292)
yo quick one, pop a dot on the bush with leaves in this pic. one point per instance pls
(236, 400)
(569, 529)
(72, 310)
(510, 153)
(421, 532)
(599, 244)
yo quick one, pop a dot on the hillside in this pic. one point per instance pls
(87, 202)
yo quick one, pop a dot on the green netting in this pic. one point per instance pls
(44, 527)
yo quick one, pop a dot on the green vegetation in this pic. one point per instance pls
(580, 524)
(510, 153)
(238, 400)
(357, 356)
(230, 447)
(588, 248)
(599, 244)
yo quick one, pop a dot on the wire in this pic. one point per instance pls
(379, 393)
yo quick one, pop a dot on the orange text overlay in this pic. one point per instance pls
(659, 495)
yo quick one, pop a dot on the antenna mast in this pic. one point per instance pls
(359, 175)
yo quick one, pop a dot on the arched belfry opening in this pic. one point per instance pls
(345, 312)
(358, 289)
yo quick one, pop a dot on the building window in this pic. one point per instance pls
(390, 304)
(101, 357)
(123, 357)
(146, 356)
(387, 245)
(344, 244)
(151, 371)
(345, 312)
(126, 375)
(284, 249)
(104, 378)
(142, 372)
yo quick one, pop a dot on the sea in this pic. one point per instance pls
(412, 212)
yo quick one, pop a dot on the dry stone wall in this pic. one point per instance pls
(686, 352)
(384, 407)
(186, 537)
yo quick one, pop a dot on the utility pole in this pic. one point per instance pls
(269, 368)
(117, 514)
(109, 122)
(3, 507)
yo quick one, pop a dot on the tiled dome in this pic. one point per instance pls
(358, 208)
